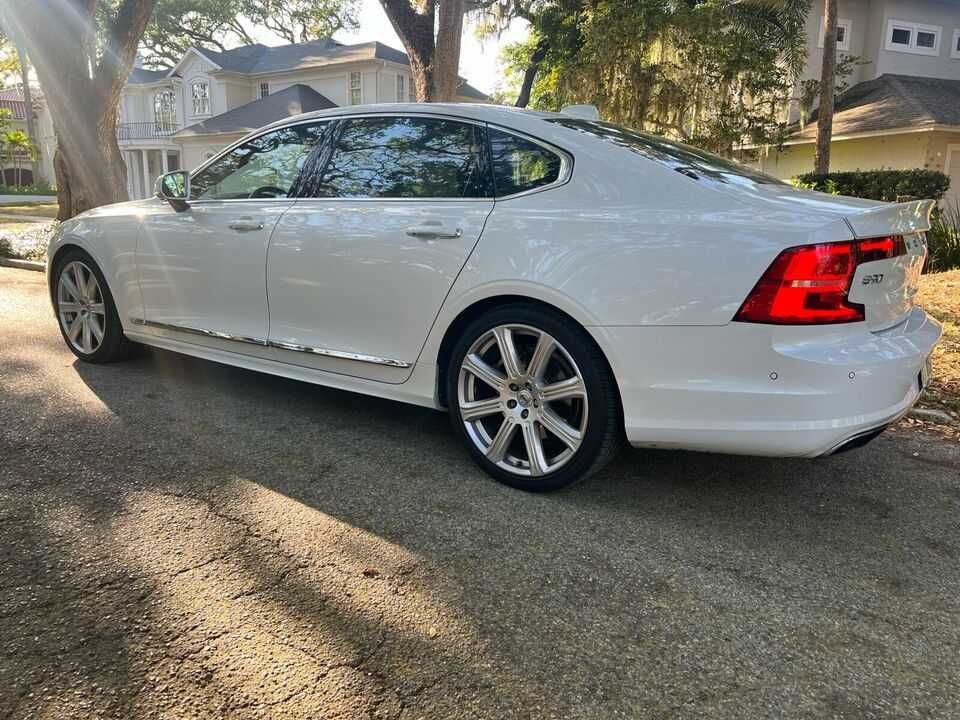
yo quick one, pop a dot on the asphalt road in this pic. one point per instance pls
(180, 539)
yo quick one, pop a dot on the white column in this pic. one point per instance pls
(146, 173)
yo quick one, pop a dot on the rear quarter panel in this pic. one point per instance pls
(628, 242)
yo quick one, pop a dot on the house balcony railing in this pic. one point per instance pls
(145, 131)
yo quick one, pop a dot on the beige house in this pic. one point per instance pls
(179, 118)
(11, 100)
(903, 109)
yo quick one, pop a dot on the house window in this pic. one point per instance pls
(201, 98)
(913, 38)
(955, 46)
(843, 33)
(165, 111)
(356, 88)
(264, 89)
(412, 92)
(401, 88)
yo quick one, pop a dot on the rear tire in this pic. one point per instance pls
(545, 413)
(86, 312)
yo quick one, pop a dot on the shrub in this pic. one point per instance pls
(36, 189)
(943, 239)
(886, 185)
(27, 243)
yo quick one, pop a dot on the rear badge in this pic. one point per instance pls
(874, 279)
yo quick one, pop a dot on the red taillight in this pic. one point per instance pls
(808, 285)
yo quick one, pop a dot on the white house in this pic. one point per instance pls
(11, 100)
(178, 118)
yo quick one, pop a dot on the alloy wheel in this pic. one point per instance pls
(80, 307)
(522, 400)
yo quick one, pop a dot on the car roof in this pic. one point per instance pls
(498, 114)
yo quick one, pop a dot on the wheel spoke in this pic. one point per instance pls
(531, 438)
(508, 352)
(96, 308)
(97, 329)
(86, 341)
(541, 356)
(91, 286)
(556, 425)
(70, 286)
(569, 388)
(480, 408)
(501, 441)
(73, 332)
(70, 307)
(478, 368)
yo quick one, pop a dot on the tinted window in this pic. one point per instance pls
(520, 164)
(687, 159)
(403, 157)
(265, 167)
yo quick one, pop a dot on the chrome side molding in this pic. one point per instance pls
(293, 347)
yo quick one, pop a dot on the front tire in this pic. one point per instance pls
(86, 312)
(533, 398)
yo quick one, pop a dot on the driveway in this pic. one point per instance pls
(180, 539)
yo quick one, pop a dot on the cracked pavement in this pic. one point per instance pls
(180, 539)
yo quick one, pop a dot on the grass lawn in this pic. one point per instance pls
(940, 296)
(44, 209)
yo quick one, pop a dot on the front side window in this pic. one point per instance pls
(404, 157)
(356, 88)
(519, 165)
(164, 111)
(200, 91)
(686, 159)
(265, 167)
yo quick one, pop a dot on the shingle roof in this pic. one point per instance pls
(891, 102)
(141, 76)
(17, 108)
(290, 101)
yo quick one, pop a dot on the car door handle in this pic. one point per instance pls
(433, 232)
(245, 225)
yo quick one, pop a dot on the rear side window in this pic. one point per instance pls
(519, 164)
(690, 161)
(403, 157)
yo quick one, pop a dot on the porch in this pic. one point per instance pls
(145, 165)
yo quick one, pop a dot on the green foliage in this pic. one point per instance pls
(943, 239)
(178, 25)
(886, 185)
(713, 73)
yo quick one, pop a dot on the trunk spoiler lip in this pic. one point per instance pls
(891, 219)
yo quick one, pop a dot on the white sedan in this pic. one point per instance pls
(556, 282)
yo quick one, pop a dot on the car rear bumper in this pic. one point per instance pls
(765, 390)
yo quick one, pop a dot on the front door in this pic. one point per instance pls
(202, 270)
(358, 270)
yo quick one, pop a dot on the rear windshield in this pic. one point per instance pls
(686, 159)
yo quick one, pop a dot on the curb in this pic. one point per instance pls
(23, 264)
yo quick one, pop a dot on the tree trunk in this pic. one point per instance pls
(530, 74)
(89, 167)
(828, 84)
(31, 122)
(446, 74)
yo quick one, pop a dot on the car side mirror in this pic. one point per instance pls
(174, 187)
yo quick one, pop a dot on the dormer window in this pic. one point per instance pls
(910, 37)
(165, 111)
(200, 92)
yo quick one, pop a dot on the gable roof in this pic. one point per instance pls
(892, 102)
(293, 100)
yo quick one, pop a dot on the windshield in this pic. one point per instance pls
(686, 159)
